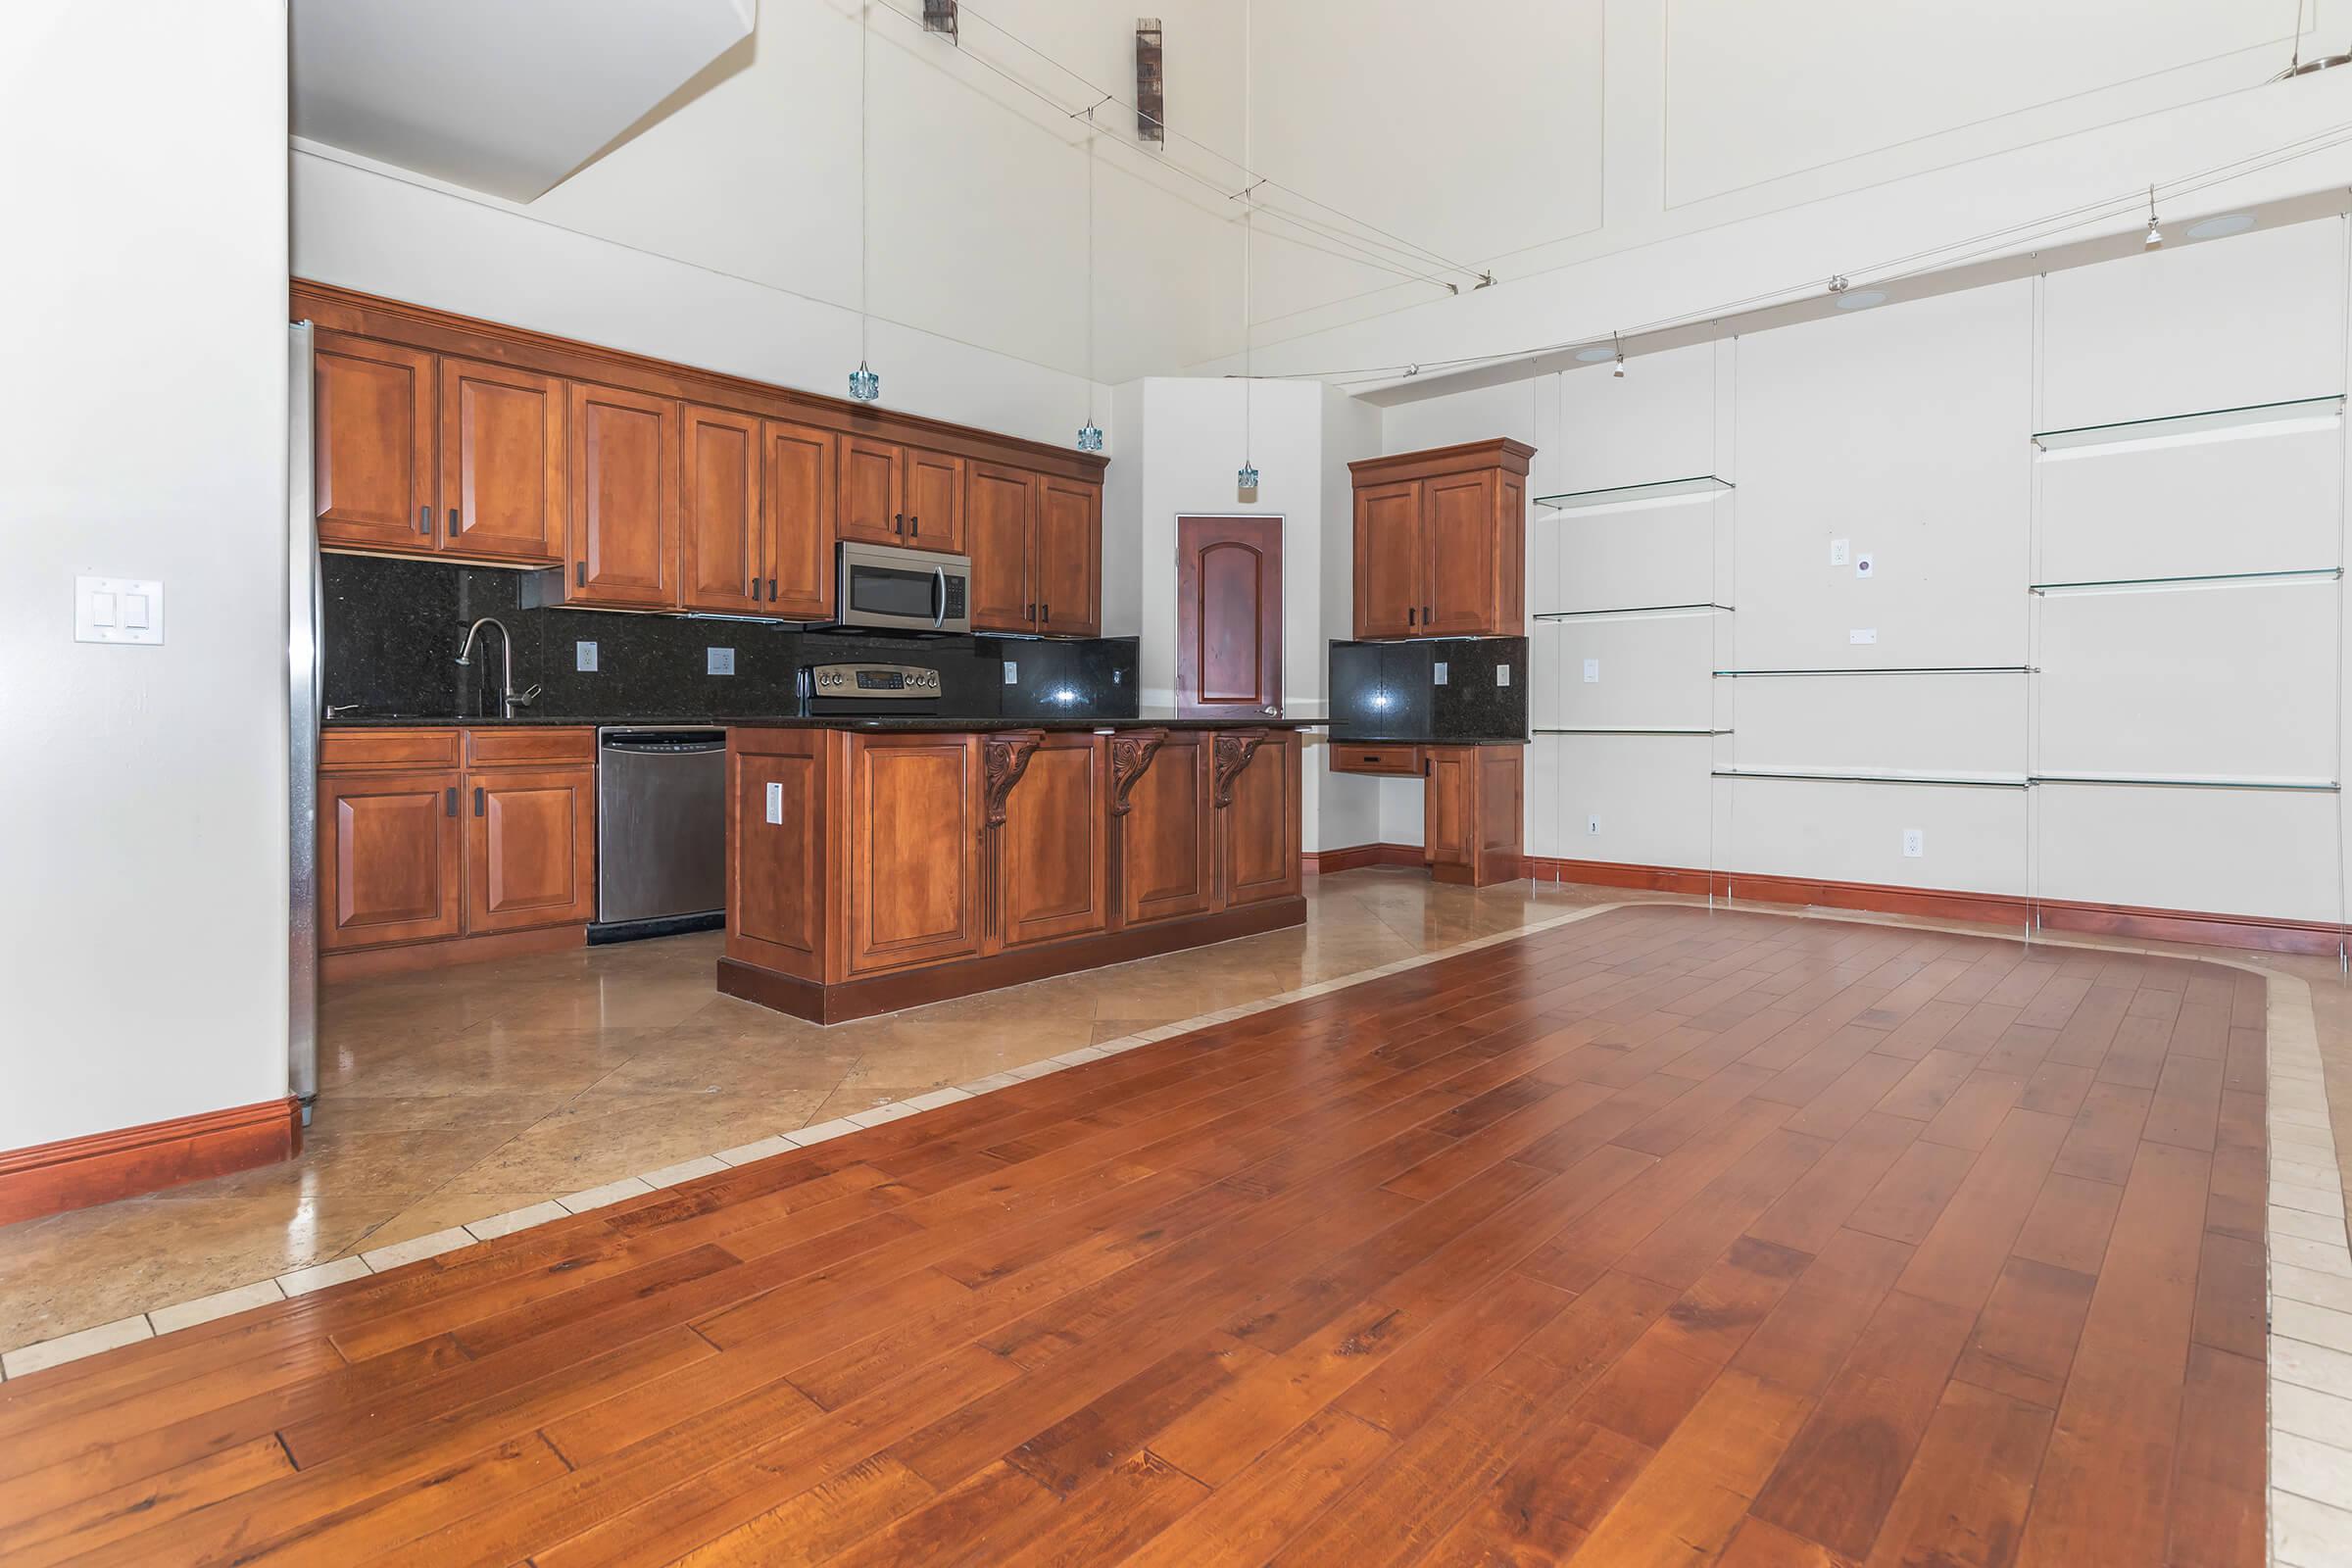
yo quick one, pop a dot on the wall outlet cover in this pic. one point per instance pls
(583, 654)
(1438, 673)
(1862, 636)
(719, 660)
(1866, 564)
(1502, 674)
(1915, 843)
(1012, 673)
(1592, 672)
(775, 803)
(1840, 550)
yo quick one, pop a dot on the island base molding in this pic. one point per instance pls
(100, 1168)
(915, 988)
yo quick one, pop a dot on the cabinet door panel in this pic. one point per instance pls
(719, 565)
(1069, 558)
(530, 849)
(624, 498)
(1392, 558)
(798, 547)
(502, 462)
(1501, 815)
(372, 444)
(1000, 523)
(389, 864)
(1445, 801)
(1167, 861)
(872, 507)
(1054, 877)
(932, 488)
(1257, 827)
(913, 832)
(1465, 597)
(777, 868)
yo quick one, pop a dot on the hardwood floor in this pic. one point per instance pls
(1657, 1237)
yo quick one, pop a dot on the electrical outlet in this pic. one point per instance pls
(1915, 843)
(1012, 673)
(1437, 673)
(1592, 825)
(1592, 672)
(1863, 636)
(1839, 549)
(583, 654)
(1502, 674)
(718, 661)
(775, 804)
(1866, 564)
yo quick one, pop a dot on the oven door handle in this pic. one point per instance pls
(939, 592)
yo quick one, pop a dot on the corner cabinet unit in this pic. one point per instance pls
(620, 482)
(436, 845)
(1440, 542)
(1473, 805)
(870, 872)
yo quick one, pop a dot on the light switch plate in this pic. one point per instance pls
(1502, 674)
(775, 804)
(1840, 550)
(1592, 672)
(583, 654)
(1862, 636)
(1012, 673)
(721, 661)
(1915, 843)
(117, 609)
(1438, 675)
(1866, 564)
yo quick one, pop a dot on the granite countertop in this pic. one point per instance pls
(1427, 740)
(916, 723)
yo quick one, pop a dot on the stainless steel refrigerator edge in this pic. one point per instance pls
(304, 612)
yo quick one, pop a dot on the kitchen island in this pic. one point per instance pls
(879, 863)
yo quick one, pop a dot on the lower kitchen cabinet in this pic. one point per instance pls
(410, 855)
(1049, 869)
(1472, 809)
(1168, 844)
(913, 831)
(1257, 801)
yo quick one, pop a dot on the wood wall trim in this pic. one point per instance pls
(100, 1168)
(914, 988)
(435, 953)
(1356, 856)
(1512, 457)
(371, 316)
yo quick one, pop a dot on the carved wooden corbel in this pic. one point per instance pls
(1003, 761)
(1235, 747)
(1131, 753)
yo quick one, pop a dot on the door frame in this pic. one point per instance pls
(1193, 708)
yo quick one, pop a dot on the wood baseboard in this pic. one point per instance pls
(914, 988)
(2252, 932)
(414, 955)
(1358, 856)
(100, 1168)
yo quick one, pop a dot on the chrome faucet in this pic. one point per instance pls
(509, 698)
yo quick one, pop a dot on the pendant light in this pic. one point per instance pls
(864, 385)
(1618, 369)
(2155, 236)
(1246, 480)
(1090, 434)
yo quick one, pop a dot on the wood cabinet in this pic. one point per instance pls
(430, 835)
(1440, 542)
(1167, 827)
(1473, 812)
(900, 495)
(1257, 798)
(795, 535)
(1384, 762)
(502, 462)
(911, 819)
(372, 444)
(720, 566)
(1049, 869)
(624, 498)
(1036, 543)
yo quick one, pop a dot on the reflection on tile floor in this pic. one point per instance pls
(453, 1095)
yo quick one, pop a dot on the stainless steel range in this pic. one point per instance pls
(854, 690)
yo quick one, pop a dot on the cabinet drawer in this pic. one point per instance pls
(363, 751)
(1392, 761)
(528, 746)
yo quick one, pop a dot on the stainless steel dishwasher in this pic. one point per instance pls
(660, 831)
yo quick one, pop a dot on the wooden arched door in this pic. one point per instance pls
(1228, 616)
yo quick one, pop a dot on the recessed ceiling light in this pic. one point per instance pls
(1595, 355)
(1861, 299)
(2223, 227)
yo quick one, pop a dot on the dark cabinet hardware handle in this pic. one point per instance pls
(1428, 614)
(452, 522)
(771, 590)
(448, 803)
(477, 800)
(579, 574)
(1045, 613)
(1408, 614)
(424, 520)
(897, 522)
(1029, 610)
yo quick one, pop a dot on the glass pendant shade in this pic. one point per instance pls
(1247, 476)
(1090, 438)
(864, 385)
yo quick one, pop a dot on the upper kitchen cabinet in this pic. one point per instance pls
(719, 521)
(372, 424)
(624, 498)
(900, 495)
(1036, 543)
(796, 536)
(1067, 556)
(502, 462)
(1440, 542)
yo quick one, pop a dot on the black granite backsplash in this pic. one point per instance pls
(393, 628)
(1390, 691)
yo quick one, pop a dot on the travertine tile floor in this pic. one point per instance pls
(454, 1096)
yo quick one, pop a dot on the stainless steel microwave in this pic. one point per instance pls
(903, 590)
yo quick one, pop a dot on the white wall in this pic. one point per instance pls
(142, 434)
(1905, 433)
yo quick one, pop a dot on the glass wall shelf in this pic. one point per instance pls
(1914, 669)
(1557, 729)
(2300, 412)
(1628, 495)
(1808, 775)
(2192, 781)
(1631, 609)
(2125, 584)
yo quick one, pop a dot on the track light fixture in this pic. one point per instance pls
(2155, 235)
(1618, 369)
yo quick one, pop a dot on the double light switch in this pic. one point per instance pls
(117, 609)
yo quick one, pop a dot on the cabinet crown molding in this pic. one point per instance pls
(1501, 451)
